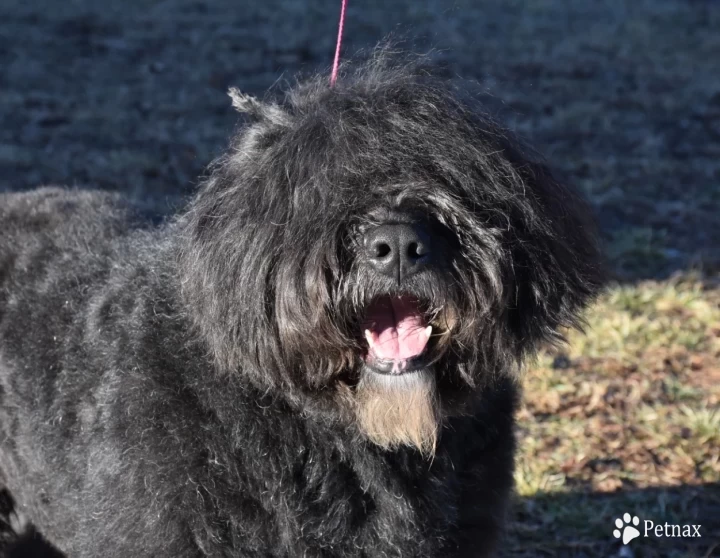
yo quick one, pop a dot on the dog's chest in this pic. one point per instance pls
(306, 498)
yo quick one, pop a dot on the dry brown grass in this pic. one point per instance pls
(623, 97)
(631, 410)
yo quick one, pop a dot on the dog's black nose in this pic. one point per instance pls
(398, 250)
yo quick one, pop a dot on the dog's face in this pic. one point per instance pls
(384, 248)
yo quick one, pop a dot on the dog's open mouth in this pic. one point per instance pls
(397, 334)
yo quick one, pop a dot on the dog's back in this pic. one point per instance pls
(50, 240)
(40, 226)
(57, 249)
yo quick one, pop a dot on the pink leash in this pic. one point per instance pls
(336, 62)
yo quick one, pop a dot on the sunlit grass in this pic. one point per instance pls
(631, 402)
(629, 321)
(630, 408)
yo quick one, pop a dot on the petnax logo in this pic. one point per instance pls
(629, 528)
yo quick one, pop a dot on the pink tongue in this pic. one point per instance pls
(397, 328)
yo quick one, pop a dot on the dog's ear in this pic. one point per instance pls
(255, 109)
(244, 103)
(557, 264)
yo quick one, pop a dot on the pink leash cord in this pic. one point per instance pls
(336, 62)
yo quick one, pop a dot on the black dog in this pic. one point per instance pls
(316, 359)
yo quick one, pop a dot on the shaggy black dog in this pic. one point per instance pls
(316, 359)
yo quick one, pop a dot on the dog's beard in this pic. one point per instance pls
(396, 410)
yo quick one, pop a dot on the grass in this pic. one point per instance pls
(626, 417)
(622, 97)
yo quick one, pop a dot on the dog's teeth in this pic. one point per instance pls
(428, 331)
(369, 337)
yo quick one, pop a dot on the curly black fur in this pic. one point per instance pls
(195, 389)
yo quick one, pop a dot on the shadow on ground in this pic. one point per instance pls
(580, 525)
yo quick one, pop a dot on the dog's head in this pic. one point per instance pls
(383, 247)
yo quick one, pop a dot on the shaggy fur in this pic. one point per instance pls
(202, 388)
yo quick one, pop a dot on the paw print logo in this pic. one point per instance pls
(627, 528)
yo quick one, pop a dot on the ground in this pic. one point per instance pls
(622, 97)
